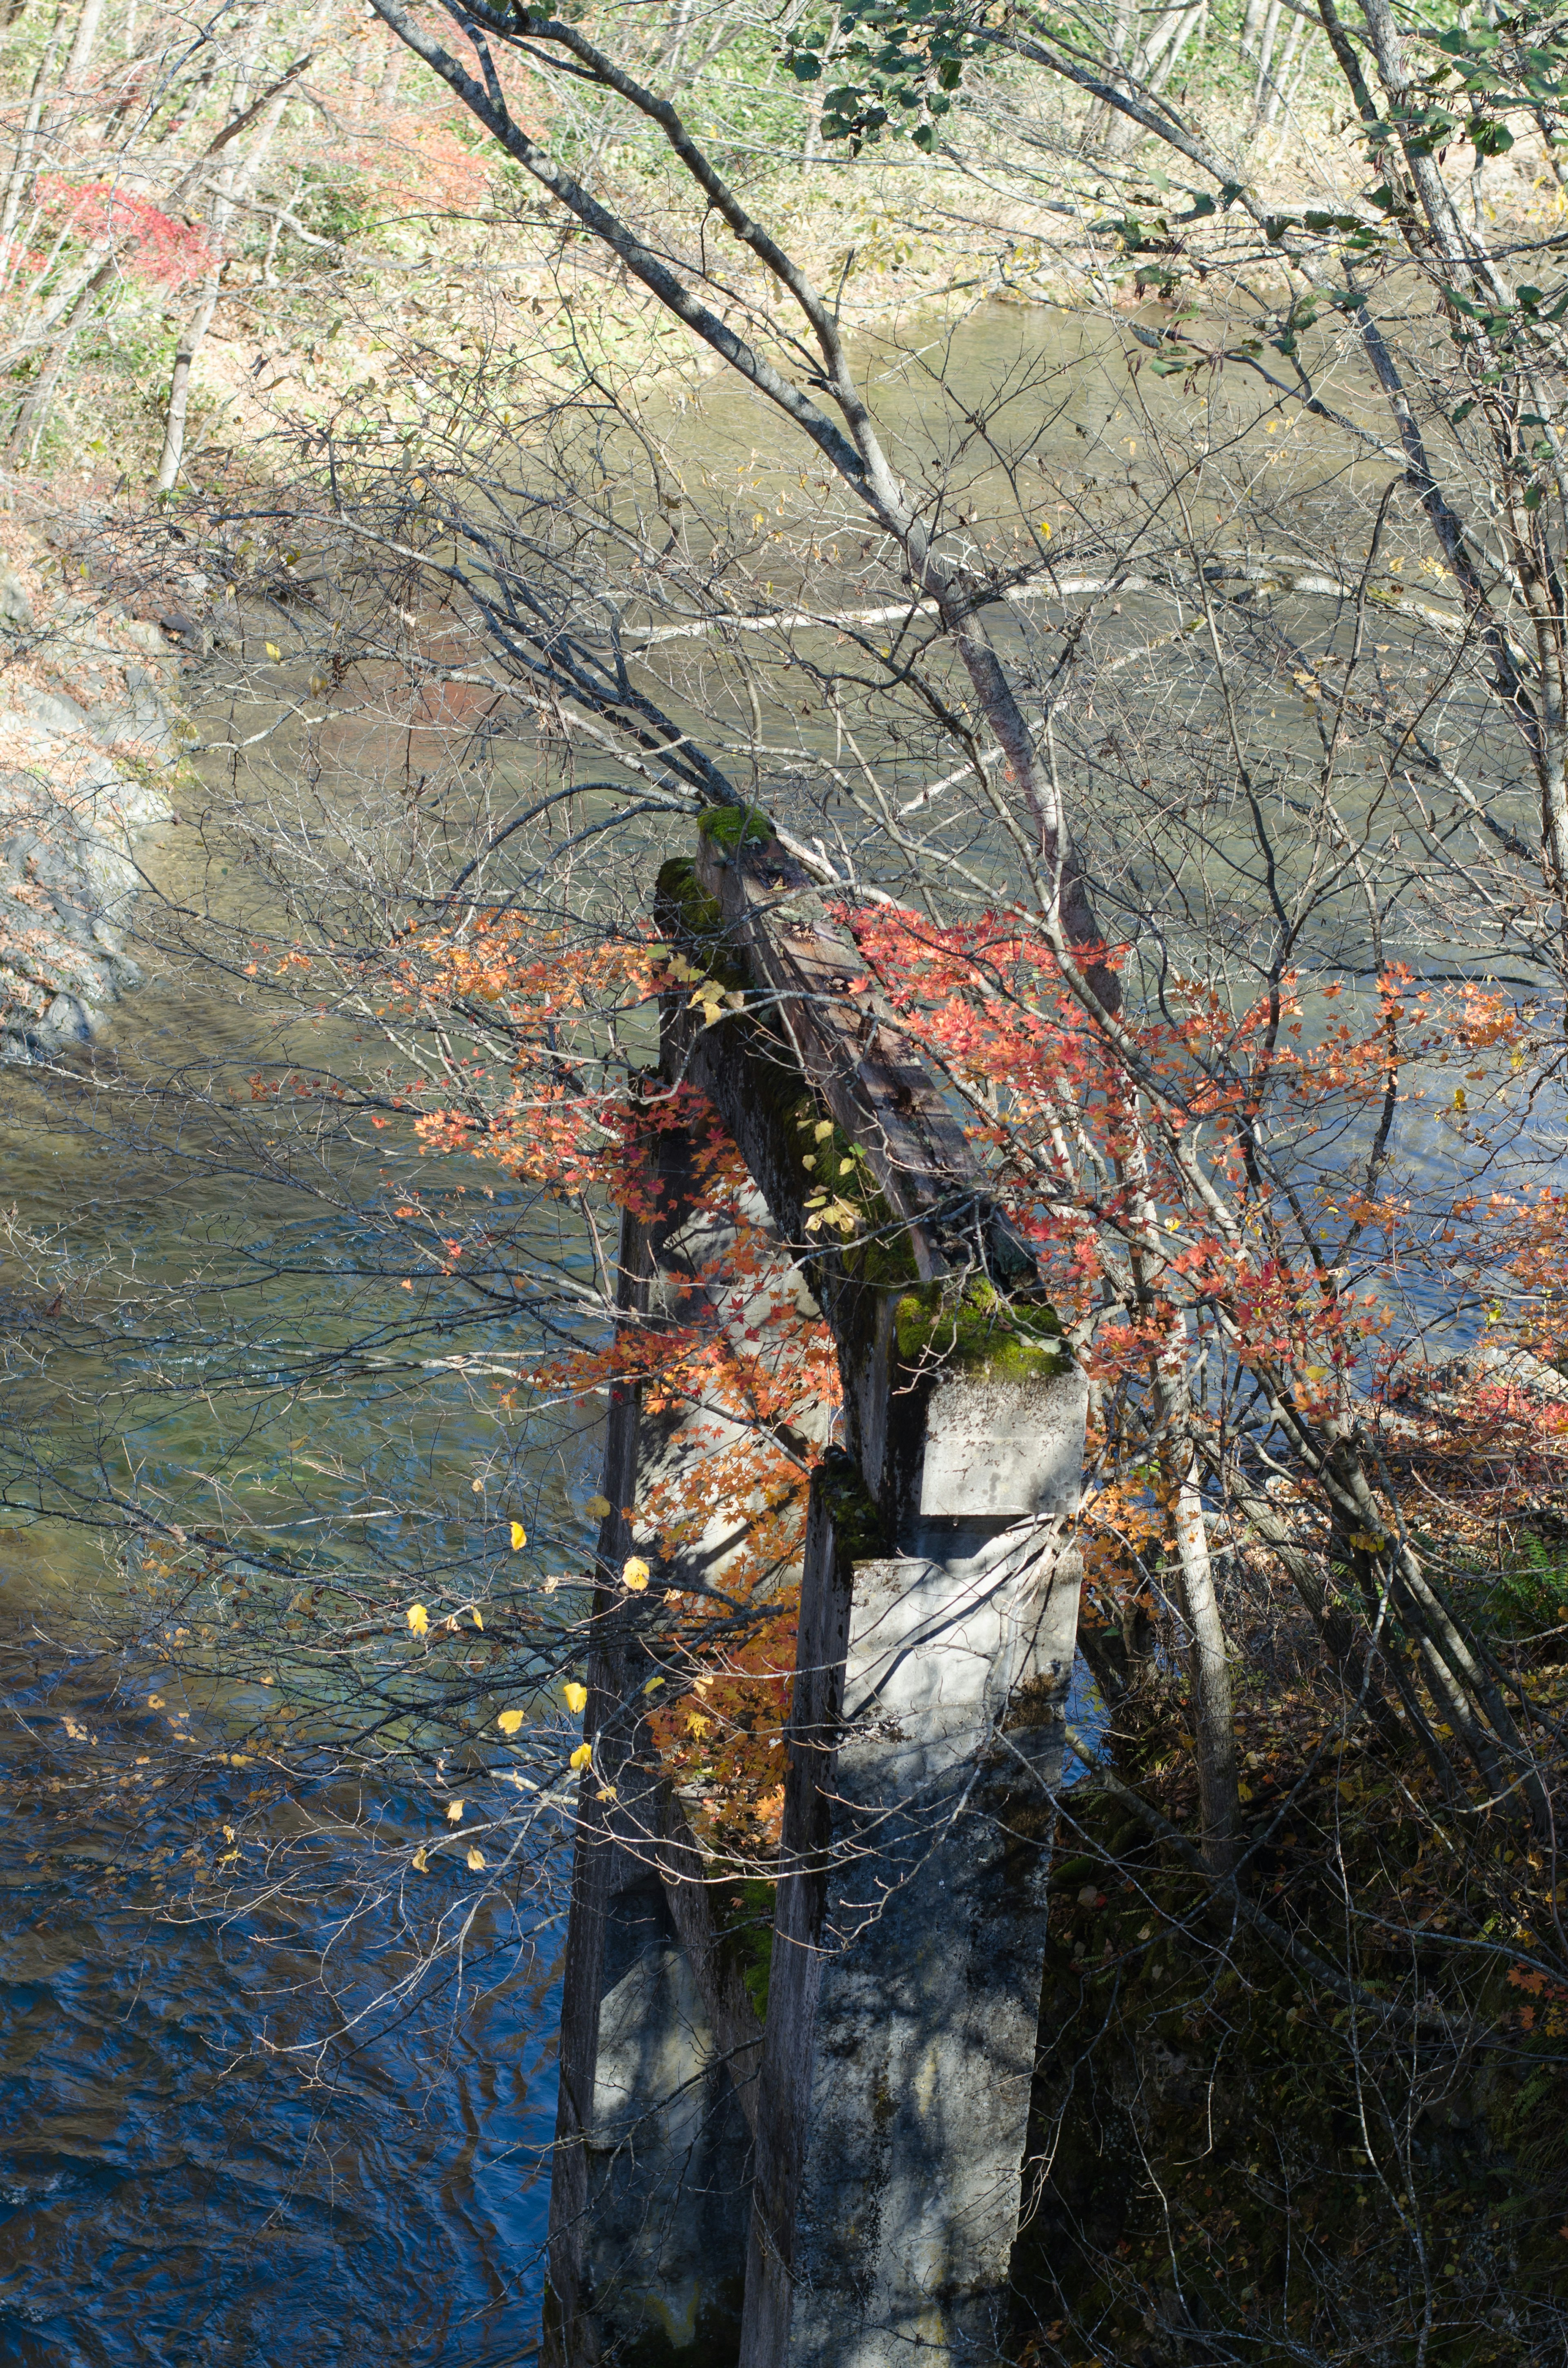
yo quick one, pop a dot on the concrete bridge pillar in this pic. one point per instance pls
(838, 2187)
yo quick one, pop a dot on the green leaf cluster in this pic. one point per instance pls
(901, 65)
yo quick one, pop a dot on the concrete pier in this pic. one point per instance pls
(838, 2187)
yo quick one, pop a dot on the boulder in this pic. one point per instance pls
(77, 789)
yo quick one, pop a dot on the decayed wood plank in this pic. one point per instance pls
(854, 1054)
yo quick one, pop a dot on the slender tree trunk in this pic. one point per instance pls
(179, 384)
(238, 184)
(1208, 1669)
(1469, 257)
(26, 145)
(1183, 28)
(1279, 75)
(386, 89)
(33, 416)
(1103, 124)
(1264, 60)
(82, 48)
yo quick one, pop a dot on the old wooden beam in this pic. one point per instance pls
(660, 2043)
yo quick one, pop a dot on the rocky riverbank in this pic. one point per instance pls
(91, 739)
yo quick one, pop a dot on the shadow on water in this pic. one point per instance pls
(215, 2150)
(242, 2120)
(209, 2153)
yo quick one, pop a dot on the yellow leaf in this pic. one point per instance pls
(582, 1756)
(419, 1620)
(520, 1537)
(478, 1621)
(475, 1857)
(635, 1574)
(154, 1702)
(421, 1861)
(228, 1833)
(273, 651)
(597, 1508)
(455, 1812)
(1244, 1792)
(509, 1721)
(607, 1793)
(696, 1723)
(576, 1697)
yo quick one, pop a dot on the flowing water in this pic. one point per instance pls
(211, 2151)
(216, 2144)
(212, 2148)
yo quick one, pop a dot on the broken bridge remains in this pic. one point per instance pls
(835, 2184)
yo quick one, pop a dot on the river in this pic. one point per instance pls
(221, 2144)
(221, 2141)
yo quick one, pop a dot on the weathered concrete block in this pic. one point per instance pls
(1003, 1451)
(892, 2118)
(650, 2194)
(889, 2117)
(668, 2152)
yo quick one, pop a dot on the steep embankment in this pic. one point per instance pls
(90, 742)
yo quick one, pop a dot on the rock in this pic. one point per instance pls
(1521, 1367)
(1500, 1362)
(71, 806)
(52, 709)
(69, 1021)
(185, 631)
(16, 608)
(146, 636)
(144, 718)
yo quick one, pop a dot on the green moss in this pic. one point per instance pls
(733, 826)
(857, 1524)
(837, 1184)
(744, 1912)
(677, 892)
(694, 923)
(884, 1260)
(981, 1334)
